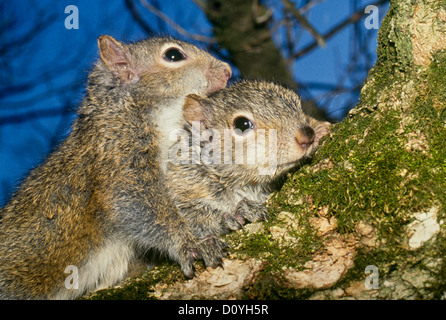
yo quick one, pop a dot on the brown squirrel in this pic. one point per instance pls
(100, 199)
(247, 136)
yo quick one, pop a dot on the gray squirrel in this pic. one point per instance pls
(247, 136)
(100, 200)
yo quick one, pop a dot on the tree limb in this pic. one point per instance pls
(304, 22)
(351, 19)
(174, 25)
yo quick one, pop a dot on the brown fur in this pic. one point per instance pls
(231, 193)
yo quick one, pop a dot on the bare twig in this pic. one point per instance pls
(174, 25)
(309, 5)
(137, 17)
(352, 19)
(260, 17)
(304, 22)
(18, 43)
(201, 4)
(35, 114)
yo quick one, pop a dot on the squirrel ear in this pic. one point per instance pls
(117, 58)
(193, 109)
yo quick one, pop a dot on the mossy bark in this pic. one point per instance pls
(366, 218)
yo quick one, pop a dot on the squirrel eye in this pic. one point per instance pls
(242, 124)
(173, 55)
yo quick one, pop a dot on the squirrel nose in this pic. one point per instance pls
(305, 136)
(228, 71)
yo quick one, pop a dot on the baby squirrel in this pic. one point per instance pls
(246, 136)
(100, 199)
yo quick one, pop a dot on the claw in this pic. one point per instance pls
(217, 264)
(189, 272)
(233, 222)
(195, 253)
(220, 264)
(240, 219)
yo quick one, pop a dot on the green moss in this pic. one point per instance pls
(140, 287)
(370, 156)
(364, 174)
(388, 161)
(437, 75)
(276, 254)
(271, 286)
(394, 42)
(437, 288)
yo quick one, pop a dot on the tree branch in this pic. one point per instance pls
(174, 25)
(137, 17)
(352, 19)
(304, 22)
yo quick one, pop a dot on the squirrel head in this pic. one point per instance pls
(254, 125)
(162, 66)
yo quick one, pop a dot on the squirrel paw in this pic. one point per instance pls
(210, 249)
(233, 222)
(251, 210)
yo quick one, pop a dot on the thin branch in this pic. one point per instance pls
(304, 22)
(72, 87)
(51, 71)
(352, 19)
(37, 114)
(39, 27)
(309, 5)
(131, 6)
(174, 25)
(201, 4)
(259, 17)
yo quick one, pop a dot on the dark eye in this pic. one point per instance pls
(174, 55)
(243, 124)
